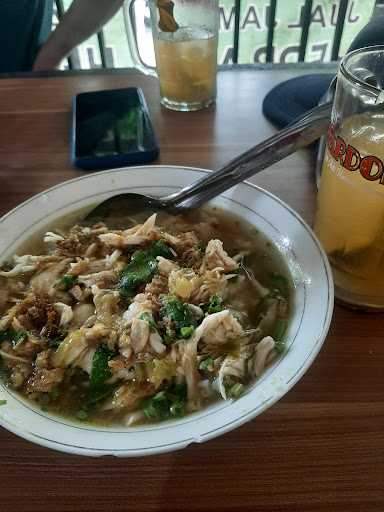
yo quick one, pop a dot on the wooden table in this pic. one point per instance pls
(321, 448)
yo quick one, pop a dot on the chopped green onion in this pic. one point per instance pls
(179, 314)
(169, 336)
(159, 397)
(55, 393)
(149, 319)
(44, 399)
(151, 412)
(186, 332)
(281, 327)
(201, 246)
(19, 337)
(214, 305)
(55, 342)
(142, 267)
(177, 409)
(14, 336)
(278, 336)
(100, 371)
(279, 285)
(207, 364)
(66, 282)
(157, 407)
(167, 403)
(177, 392)
(236, 390)
(82, 415)
(98, 393)
(3, 402)
(279, 346)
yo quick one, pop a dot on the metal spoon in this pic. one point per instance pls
(298, 135)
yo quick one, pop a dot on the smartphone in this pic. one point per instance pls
(112, 129)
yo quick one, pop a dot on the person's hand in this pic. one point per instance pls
(46, 59)
(82, 19)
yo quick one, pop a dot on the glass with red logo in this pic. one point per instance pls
(350, 209)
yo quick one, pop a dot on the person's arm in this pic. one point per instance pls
(83, 18)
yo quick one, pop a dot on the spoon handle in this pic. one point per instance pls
(298, 135)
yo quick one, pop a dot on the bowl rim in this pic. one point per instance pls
(30, 436)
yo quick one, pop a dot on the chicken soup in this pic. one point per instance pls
(144, 323)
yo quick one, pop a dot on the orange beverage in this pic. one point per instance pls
(186, 62)
(350, 215)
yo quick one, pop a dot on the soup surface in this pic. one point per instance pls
(143, 323)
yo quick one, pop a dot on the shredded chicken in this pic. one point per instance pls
(213, 282)
(166, 266)
(72, 349)
(103, 279)
(66, 313)
(157, 287)
(127, 396)
(235, 367)
(112, 259)
(216, 257)
(133, 236)
(138, 306)
(43, 359)
(218, 328)
(188, 360)
(51, 237)
(106, 305)
(78, 240)
(263, 349)
(139, 334)
(81, 313)
(44, 281)
(26, 264)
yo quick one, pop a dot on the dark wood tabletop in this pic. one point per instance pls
(320, 448)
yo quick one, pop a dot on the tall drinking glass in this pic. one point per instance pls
(185, 34)
(350, 212)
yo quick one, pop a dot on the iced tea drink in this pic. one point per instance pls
(350, 215)
(186, 62)
(185, 34)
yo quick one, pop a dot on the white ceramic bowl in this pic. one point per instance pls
(313, 305)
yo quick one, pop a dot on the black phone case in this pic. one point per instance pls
(147, 154)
